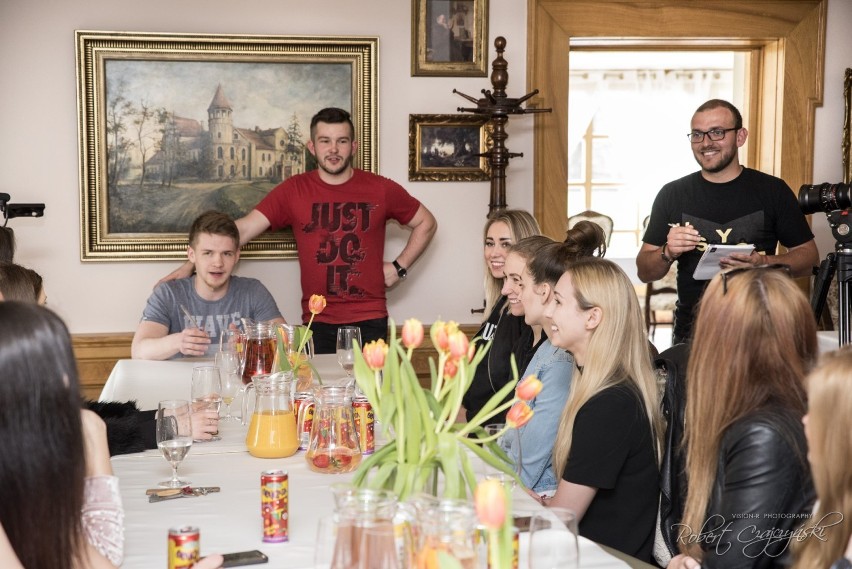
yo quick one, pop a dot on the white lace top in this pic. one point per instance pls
(103, 517)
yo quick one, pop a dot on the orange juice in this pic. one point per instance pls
(272, 434)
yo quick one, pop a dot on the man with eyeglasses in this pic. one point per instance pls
(723, 203)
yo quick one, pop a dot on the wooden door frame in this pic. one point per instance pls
(789, 37)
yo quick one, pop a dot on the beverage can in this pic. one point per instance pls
(364, 424)
(274, 505)
(303, 407)
(184, 547)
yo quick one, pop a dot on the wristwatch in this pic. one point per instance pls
(665, 257)
(401, 271)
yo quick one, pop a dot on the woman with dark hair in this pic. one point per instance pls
(530, 278)
(501, 328)
(746, 453)
(21, 283)
(55, 461)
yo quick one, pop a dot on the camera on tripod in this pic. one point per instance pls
(10, 210)
(835, 200)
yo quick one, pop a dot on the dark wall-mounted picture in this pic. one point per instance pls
(172, 125)
(448, 148)
(449, 37)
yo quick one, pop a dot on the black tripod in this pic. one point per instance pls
(839, 262)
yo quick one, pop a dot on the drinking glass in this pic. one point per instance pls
(553, 540)
(206, 391)
(509, 442)
(174, 436)
(232, 382)
(233, 341)
(347, 338)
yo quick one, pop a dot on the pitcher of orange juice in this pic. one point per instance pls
(272, 428)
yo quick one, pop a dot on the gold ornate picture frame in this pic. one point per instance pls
(846, 145)
(171, 125)
(449, 38)
(444, 148)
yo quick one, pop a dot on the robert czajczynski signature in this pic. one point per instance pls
(756, 542)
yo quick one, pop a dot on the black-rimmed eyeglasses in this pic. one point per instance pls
(715, 134)
(730, 273)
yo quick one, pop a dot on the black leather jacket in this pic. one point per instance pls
(763, 492)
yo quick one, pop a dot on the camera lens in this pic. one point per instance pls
(824, 197)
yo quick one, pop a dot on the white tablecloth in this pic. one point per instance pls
(149, 382)
(230, 521)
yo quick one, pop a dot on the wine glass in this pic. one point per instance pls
(553, 540)
(232, 382)
(206, 391)
(174, 436)
(347, 338)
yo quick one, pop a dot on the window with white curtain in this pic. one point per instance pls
(628, 116)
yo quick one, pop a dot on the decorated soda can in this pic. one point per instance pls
(303, 407)
(364, 424)
(274, 505)
(184, 547)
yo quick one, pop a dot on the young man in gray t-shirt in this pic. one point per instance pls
(212, 297)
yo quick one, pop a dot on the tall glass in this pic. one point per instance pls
(553, 540)
(174, 436)
(206, 392)
(229, 370)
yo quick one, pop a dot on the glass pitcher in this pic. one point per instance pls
(290, 337)
(366, 529)
(272, 429)
(259, 348)
(333, 446)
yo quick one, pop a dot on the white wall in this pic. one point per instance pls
(39, 152)
(39, 157)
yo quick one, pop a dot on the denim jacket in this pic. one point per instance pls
(554, 367)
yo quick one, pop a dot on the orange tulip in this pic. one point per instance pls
(519, 415)
(490, 500)
(441, 332)
(457, 343)
(316, 304)
(451, 368)
(528, 388)
(412, 333)
(375, 353)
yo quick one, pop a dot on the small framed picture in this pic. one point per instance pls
(444, 148)
(449, 38)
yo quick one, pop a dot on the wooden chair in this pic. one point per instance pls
(604, 221)
(660, 295)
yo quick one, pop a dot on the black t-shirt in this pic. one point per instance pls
(612, 450)
(754, 208)
(495, 370)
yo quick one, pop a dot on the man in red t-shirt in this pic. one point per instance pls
(338, 216)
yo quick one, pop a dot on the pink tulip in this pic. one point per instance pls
(519, 415)
(412, 333)
(528, 388)
(316, 304)
(451, 368)
(440, 334)
(375, 353)
(457, 343)
(490, 500)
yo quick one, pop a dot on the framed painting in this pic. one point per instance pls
(449, 38)
(846, 145)
(443, 148)
(171, 125)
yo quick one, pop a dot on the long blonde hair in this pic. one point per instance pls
(761, 336)
(617, 352)
(829, 427)
(521, 225)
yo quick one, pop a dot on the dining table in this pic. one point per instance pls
(229, 520)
